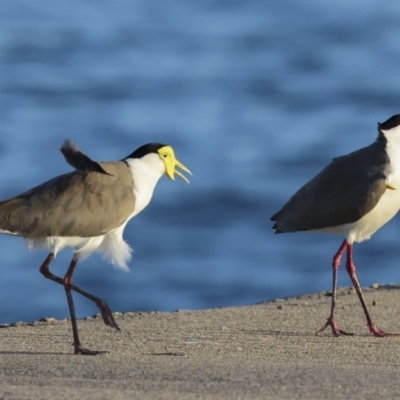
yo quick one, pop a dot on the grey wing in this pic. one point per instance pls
(342, 193)
(75, 204)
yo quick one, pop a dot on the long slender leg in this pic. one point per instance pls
(78, 349)
(332, 320)
(105, 310)
(351, 269)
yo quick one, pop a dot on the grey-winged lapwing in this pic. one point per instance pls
(354, 196)
(88, 209)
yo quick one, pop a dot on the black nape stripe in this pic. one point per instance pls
(145, 149)
(391, 123)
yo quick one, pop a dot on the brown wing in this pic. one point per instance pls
(77, 204)
(77, 159)
(347, 189)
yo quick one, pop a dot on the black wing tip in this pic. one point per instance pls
(79, 160)
(69, 149)
(275, 227)
(68, 144)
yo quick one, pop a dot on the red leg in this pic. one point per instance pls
(351, 269)
(332, 320)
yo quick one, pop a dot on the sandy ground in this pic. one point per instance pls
(264, 351)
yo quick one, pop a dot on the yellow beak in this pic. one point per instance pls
(168, 156)
(171, 170)
(182, 167)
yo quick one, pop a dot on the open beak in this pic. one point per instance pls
(182, 167)
(171, 170)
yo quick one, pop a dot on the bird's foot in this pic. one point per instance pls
(78, 349)
(334, 326)
(375, 331)
(107, 315)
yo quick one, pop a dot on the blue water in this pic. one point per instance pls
(255, 97)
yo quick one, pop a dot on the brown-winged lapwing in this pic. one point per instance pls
(354, 196)
(88, 209)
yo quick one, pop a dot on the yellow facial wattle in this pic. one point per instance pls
(167, 155)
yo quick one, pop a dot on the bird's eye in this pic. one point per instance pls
(165, 156)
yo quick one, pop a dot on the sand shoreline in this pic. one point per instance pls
(263, 351)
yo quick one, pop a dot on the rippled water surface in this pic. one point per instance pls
(255, 97)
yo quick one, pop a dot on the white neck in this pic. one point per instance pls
(146, 172)
(393, 151)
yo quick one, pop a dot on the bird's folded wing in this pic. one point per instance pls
(347, 189)
(81, 204)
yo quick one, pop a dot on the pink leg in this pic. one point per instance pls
(332, 320)
(351, 269)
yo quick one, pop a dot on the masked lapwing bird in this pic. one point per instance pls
(353, 196)
(88, 209)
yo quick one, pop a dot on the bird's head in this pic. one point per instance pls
(166, 154)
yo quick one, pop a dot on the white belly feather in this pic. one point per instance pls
(365, 227)
(112, 246)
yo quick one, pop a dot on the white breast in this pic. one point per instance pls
(385, 210)
(146, 172)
